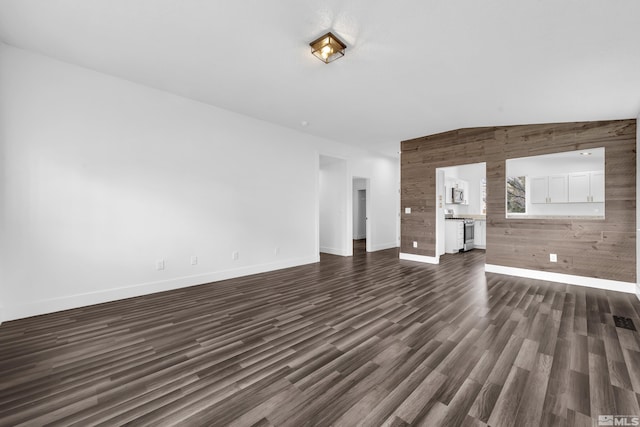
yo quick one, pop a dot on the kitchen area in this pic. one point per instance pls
(462, 207)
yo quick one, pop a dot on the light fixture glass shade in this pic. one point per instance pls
(328, 48)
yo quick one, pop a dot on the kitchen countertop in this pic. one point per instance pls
(564, 217)
(476, 217)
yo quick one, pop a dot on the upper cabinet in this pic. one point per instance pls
(582, 187)
(540, 189)
(586, 187)
(549, 189)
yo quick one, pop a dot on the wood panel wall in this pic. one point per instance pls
(593, 248)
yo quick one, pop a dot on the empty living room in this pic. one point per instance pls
(339, 213)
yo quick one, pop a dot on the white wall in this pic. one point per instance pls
(333, 206)
(103, 177)
(3, 179)
(554, 164)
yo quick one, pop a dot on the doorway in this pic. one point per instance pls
(469, 182)
(361, 241)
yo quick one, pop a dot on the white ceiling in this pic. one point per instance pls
(557, 163)
(412, 67)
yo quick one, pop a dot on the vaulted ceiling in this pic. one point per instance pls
(412, 67)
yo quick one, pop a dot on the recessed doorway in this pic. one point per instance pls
(461, 208)
(361, 241)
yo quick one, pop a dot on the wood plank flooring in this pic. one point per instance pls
(369, 340)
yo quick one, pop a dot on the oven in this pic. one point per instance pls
(468, 234)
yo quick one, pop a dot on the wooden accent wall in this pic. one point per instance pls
(593, 248)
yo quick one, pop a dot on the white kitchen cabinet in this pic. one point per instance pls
(579, 187)
(453, 236)
(586, 187)
(460, 184)
(539, 189)
(558, 189)
(549, 189)
(480, 234)
(449, 184)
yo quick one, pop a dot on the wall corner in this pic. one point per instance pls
(637, 210)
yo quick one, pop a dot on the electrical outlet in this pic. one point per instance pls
(160, 264)
(194, 260)
(235, 255)
(407, 210)
(415, 244)
(553, 257)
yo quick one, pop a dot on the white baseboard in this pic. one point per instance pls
(333, 251)
(34, 308)
(383, 246)
(589, 282)
(420, 258)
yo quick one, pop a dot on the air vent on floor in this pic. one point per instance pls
(624, 322)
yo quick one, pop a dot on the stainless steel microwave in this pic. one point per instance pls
(457, 195)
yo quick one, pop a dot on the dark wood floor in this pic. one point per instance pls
(368, 340)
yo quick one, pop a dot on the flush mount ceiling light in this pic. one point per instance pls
(328, 48)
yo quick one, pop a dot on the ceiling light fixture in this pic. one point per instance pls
(328, 48)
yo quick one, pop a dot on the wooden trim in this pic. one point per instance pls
(589, 282)
(51, 305)
(420, 258)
